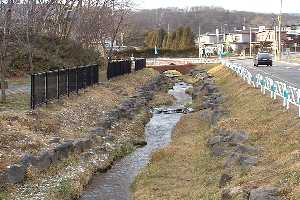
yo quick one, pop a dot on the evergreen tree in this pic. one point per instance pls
(178, 38)
(170, 40)
(181, 38)
(160, 37)
(187, 40)
(165, 41)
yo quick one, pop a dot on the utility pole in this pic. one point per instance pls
(279, 35)
(168, 29)
(250, 42)
(200, 53)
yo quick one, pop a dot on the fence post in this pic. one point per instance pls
(97, 70)
(58, 82)
(46, 87)
(77, 90)
(32, 97)
(68, 85)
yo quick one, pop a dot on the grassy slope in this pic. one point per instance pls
(29, 132)
(185, 169)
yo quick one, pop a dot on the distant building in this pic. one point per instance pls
(293, 36)
(239, 40)
(209, 39)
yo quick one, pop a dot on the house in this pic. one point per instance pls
(239, 40)
(293, 36)
(268, 38)
(209, 39)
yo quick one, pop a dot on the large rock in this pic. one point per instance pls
(239, 137)
(99, 131)
(3, 179)
(215, 140)
(62, 151)
(232, 193)
(216, 116)
(114, 115)
(82, 145)
(211, 89)
(219, 150)
(105, 123)
(16, 173)
(264, 193)
(42, 161)
(244, 149)
(225, 179)
(27, 160)
(232, 160)
(247, 161)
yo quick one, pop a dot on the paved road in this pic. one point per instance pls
(282, 71)
(18, 89)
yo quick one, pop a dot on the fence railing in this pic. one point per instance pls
(118, 68)
(289, 94)
(52, 85)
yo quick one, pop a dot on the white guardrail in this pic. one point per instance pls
(289, 94)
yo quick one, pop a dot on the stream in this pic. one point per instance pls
(115, 183)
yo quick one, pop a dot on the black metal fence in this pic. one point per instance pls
(117, 68)
(120, 67)
(51, 85)
(140, 64)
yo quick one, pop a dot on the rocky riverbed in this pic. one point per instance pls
(116, 182)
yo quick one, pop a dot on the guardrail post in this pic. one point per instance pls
(284, 97)
(298, 101)
(273, 93)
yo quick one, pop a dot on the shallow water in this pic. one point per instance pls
(115, 183)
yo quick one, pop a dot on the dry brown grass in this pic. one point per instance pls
(30, 131)
(162, 99)
(272, 128)
(185, 169)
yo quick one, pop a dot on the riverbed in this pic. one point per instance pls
(115, 183)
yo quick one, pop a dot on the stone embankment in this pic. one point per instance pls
(232, 146)
(98, 137)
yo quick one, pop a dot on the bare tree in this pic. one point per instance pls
(100, 23)
(5, 34)
(88, 22)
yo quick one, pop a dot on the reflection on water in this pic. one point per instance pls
(115, 183)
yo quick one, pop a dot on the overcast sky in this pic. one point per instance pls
(273, 6)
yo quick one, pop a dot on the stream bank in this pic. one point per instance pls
(116, 182)
(237, 145)
(117, 133)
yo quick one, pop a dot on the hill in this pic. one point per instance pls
(209, 18)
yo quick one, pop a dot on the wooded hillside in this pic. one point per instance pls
(209, 18)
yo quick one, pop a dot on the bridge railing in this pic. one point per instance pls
(181, 61)
(290, 95)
